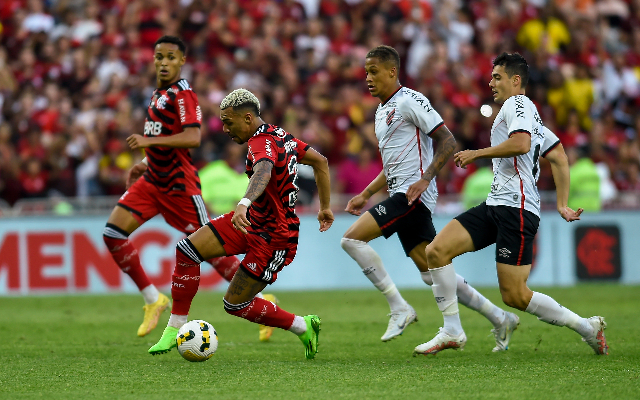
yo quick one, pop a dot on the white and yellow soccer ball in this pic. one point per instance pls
(197, 340)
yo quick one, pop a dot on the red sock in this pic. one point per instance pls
(262, 312)
(226, 266)
(184, 283)
(127, 258)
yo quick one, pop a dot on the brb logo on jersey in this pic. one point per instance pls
(152, 128)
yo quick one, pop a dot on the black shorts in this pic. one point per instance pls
(511, 229)
(413, 223)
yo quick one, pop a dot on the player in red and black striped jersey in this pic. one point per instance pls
(264, 225)
(170, 186)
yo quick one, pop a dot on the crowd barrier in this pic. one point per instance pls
(49, 255)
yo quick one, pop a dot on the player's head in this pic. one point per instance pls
(169, 57)
(381, 66)
(240, 115)
(509, 76)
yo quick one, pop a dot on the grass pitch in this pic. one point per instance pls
(86, 347)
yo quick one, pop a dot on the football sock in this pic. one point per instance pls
(177, 321)
(470, 297)
(549, 311)
(226, 266)
(125, 255)
(444, 290)
(299, 325)
(150, 294)
(372, 267)
(186, 277)
(262, 312)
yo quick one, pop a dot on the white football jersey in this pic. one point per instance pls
(514, 178)
(551, 141)
(404, 124)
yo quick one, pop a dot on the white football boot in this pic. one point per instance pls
(504, 331)
(398, 322)
(442, 341)
(597, 340)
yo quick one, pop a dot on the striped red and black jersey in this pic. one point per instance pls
(172, 109)
(273, 215)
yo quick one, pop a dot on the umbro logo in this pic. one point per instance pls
(439, 299)
(252, 266)
(381, 210)
(368, 270)
(504, 252)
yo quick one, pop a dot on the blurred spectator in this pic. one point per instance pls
(355, 174)
(76, 76)
(224, 182)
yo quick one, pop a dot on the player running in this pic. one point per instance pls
(406, 125)
(510, 216)
(170, 184)
(264, 225)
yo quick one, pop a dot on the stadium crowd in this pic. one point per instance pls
(76, 77)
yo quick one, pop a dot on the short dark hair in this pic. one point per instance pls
(174, 40)
(384, 54)
(514, 64)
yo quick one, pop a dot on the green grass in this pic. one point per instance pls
(86, 347)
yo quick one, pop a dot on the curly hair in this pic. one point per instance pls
(241, 98)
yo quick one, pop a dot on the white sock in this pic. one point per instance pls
(150, 294)
(445, 290)
(299, 325)
(471, 298)
(372, 267)
(549, 311)
(177, 321)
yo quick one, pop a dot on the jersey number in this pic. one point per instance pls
(293, 170)
(536, 162)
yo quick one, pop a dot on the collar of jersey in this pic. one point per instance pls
(392, 94)
(168, 86)
(262, 129)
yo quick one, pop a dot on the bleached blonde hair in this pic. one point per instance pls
(240, 97)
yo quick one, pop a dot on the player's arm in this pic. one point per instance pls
(320, 167)
(188, 138)
(257, 184)
(517, 144)
(446, 145)
(356, 204)
(560, 171)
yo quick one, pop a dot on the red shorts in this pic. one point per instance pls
(185, 213)
(262, 260)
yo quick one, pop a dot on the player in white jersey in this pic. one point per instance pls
(510, 216)
(405, 125)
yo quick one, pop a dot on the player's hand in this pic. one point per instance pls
(134, 173)
(239, 219)
(136, 141)
(464, 158)
(356, 204)
(569, 215)
(416, 190)
(325, 217)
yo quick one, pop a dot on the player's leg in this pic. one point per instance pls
(355, 243)
(470, 231)
(190, 253)
(259, 268)
(503, 322)
(134, 208)
(516, 294)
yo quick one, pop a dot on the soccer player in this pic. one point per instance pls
(170, 185)
(509, 218)
(406, 125)
(264, 226)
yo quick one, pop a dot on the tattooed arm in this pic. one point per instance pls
(257, 184)
(446, 145)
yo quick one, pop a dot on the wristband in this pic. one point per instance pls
(245, 202)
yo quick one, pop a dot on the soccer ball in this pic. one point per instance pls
(197, 340)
